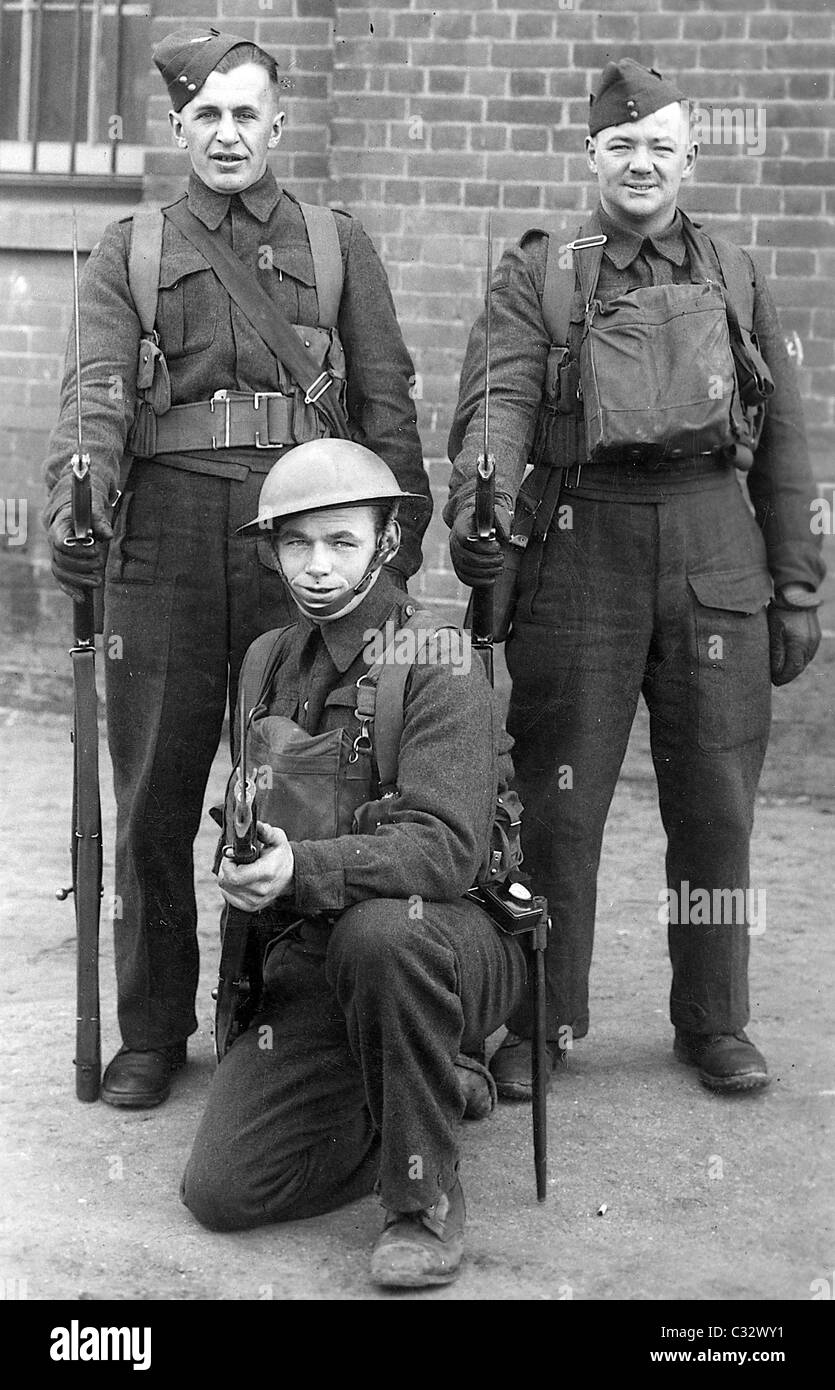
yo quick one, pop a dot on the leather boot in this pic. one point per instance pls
(139, 1080)
(417, 1248)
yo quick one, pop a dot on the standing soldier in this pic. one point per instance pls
(184, 596)
(645, 571)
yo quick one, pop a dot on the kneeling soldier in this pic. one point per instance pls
(378, 972)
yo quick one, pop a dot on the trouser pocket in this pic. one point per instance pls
(731, 636)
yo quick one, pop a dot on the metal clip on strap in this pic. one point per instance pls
(317, 388)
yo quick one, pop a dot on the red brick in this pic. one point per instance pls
(425, 164)
(811, 26)
(489, 137)
(532, 55)
(564, 83)
(411, 26)
(405, 80)
(521, 195)
(660, 26)
(802, 202)
(448, 137)
(597, 55)
(428, 53)
(440, 108)
(300, 33)
(529, 137)
(806, 171)
(488, 82)
(447, 80)
(535, 26)
(802, 55)
(741, 56)
(812, 86)
(707, 27)
(527, 84)
(523, 112)
(496, 26)
(480, 195)
(447, 192)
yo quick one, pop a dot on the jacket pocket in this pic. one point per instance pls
(187, 304)
(733, 686)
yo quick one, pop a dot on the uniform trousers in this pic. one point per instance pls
(184, 598)
(345, 1081)
(662, 598)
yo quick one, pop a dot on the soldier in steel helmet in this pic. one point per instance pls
(184, 597)
(647, 569)
(379, 975)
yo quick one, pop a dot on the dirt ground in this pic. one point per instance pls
(705, 1197)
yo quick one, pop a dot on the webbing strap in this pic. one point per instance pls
(327, 261)
(144, 262)
(265, 317)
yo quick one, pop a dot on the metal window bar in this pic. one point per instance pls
(35, 80)
(33, 15)
(117, 100)
(76, 82)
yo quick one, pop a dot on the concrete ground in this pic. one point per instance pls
(658, 1189)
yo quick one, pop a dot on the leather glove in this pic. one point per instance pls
(794, 632)
(477, 563)
(79, 568)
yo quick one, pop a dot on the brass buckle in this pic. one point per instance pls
(222, 398)
(256, 400)
(317, 388)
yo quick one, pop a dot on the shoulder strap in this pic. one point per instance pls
(388, 678)
(733, 266)
(560, 279)
(259, 666)
(327, 260)
(265, 317)
(143, 264)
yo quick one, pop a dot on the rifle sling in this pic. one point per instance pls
(265, 316)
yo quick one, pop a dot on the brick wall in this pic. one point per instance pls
(420, 117)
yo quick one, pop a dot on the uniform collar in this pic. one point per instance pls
(260, 199)
(346, 637)
(623, 246)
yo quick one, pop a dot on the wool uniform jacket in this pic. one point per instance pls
(780, 483)
(210, 345)
(452, 749)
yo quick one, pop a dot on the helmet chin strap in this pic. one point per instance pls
(387, 547)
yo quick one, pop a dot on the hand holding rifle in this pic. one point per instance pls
(80, 530)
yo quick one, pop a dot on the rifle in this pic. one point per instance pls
(86, 841)
(511, 904)
(485, 493)
(238, 984)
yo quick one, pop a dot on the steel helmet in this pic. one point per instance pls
(323, 473)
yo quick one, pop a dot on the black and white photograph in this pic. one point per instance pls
(417, 687)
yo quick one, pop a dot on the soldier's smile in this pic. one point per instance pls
(229, 127)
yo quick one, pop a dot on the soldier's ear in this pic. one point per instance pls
(277, 127)
(177, 127)
(690, 160)
(591, 153)
(388, 543)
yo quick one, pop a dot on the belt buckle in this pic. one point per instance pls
(222, 398)
(256, 399)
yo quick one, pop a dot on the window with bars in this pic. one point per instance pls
(73, 83)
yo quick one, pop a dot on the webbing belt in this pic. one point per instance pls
(232, 420)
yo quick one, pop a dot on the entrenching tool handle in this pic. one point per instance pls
(539, 942)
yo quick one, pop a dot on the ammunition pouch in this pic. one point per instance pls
(231, 419)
